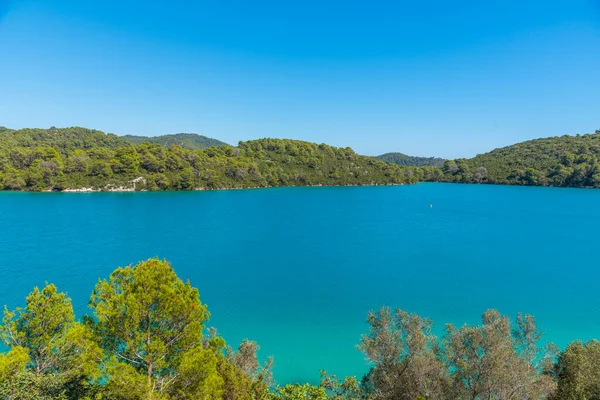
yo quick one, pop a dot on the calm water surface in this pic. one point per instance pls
(297, 269)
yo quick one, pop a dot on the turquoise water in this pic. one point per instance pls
(297, 269)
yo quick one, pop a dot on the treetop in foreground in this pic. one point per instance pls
(146, 338)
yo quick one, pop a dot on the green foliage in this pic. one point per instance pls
(568, 161)
(65, 140)
(410, 161)
(77, 158)
(30, 386)
(299, 392)
(13, 363)
(151, 321)
(347, 389)
(47, 317)
(198, 377)
(123, 382)
(50, 352)
(246, 359)
(243, 376)
(189, 141)
(405, 355)
(489, 361)
(493, 361)
(145, 341)
(237, 385)
(578, 371)
(47, 330)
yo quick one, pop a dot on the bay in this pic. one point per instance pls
(297, 269)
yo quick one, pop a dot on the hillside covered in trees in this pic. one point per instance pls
(83, 159)
(147, 337)
(191, 141)
(410, 161)
(567, 161)
(76, 158)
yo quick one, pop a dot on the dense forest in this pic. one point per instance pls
(191, 141)
(147, 338)
(567, 161)
(76, 158)
(82, 159)
(411, 161)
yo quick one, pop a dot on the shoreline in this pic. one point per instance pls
(122, 189)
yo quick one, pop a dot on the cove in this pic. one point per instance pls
(297, 269)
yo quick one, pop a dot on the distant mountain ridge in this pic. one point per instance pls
(411, 161)
(191, 141)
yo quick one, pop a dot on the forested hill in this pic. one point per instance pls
(64, 140)
(569, 161)
(190, 141)
(410, 161)
(79, 158)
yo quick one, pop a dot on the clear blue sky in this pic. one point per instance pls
(431, 77)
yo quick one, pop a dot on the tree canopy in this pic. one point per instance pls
(191, 141)
(566, 161)
(146, 338)
(83, 159)
(78, 158)
(411, 161)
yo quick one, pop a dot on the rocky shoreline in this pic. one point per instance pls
(123, 189)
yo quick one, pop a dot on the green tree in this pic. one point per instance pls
(578, 372)
(299, 392)
(72, 158)
(78, 162)
(13, 363)
(30, 386)
(13, 179)
(187, 179)
(56, 346)
(197, 376)
(128, 161)
(404, 355)
(491, 361)
(246, 359)
(347, 389)
(150, 324)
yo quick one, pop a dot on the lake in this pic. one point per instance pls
(297, 269)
